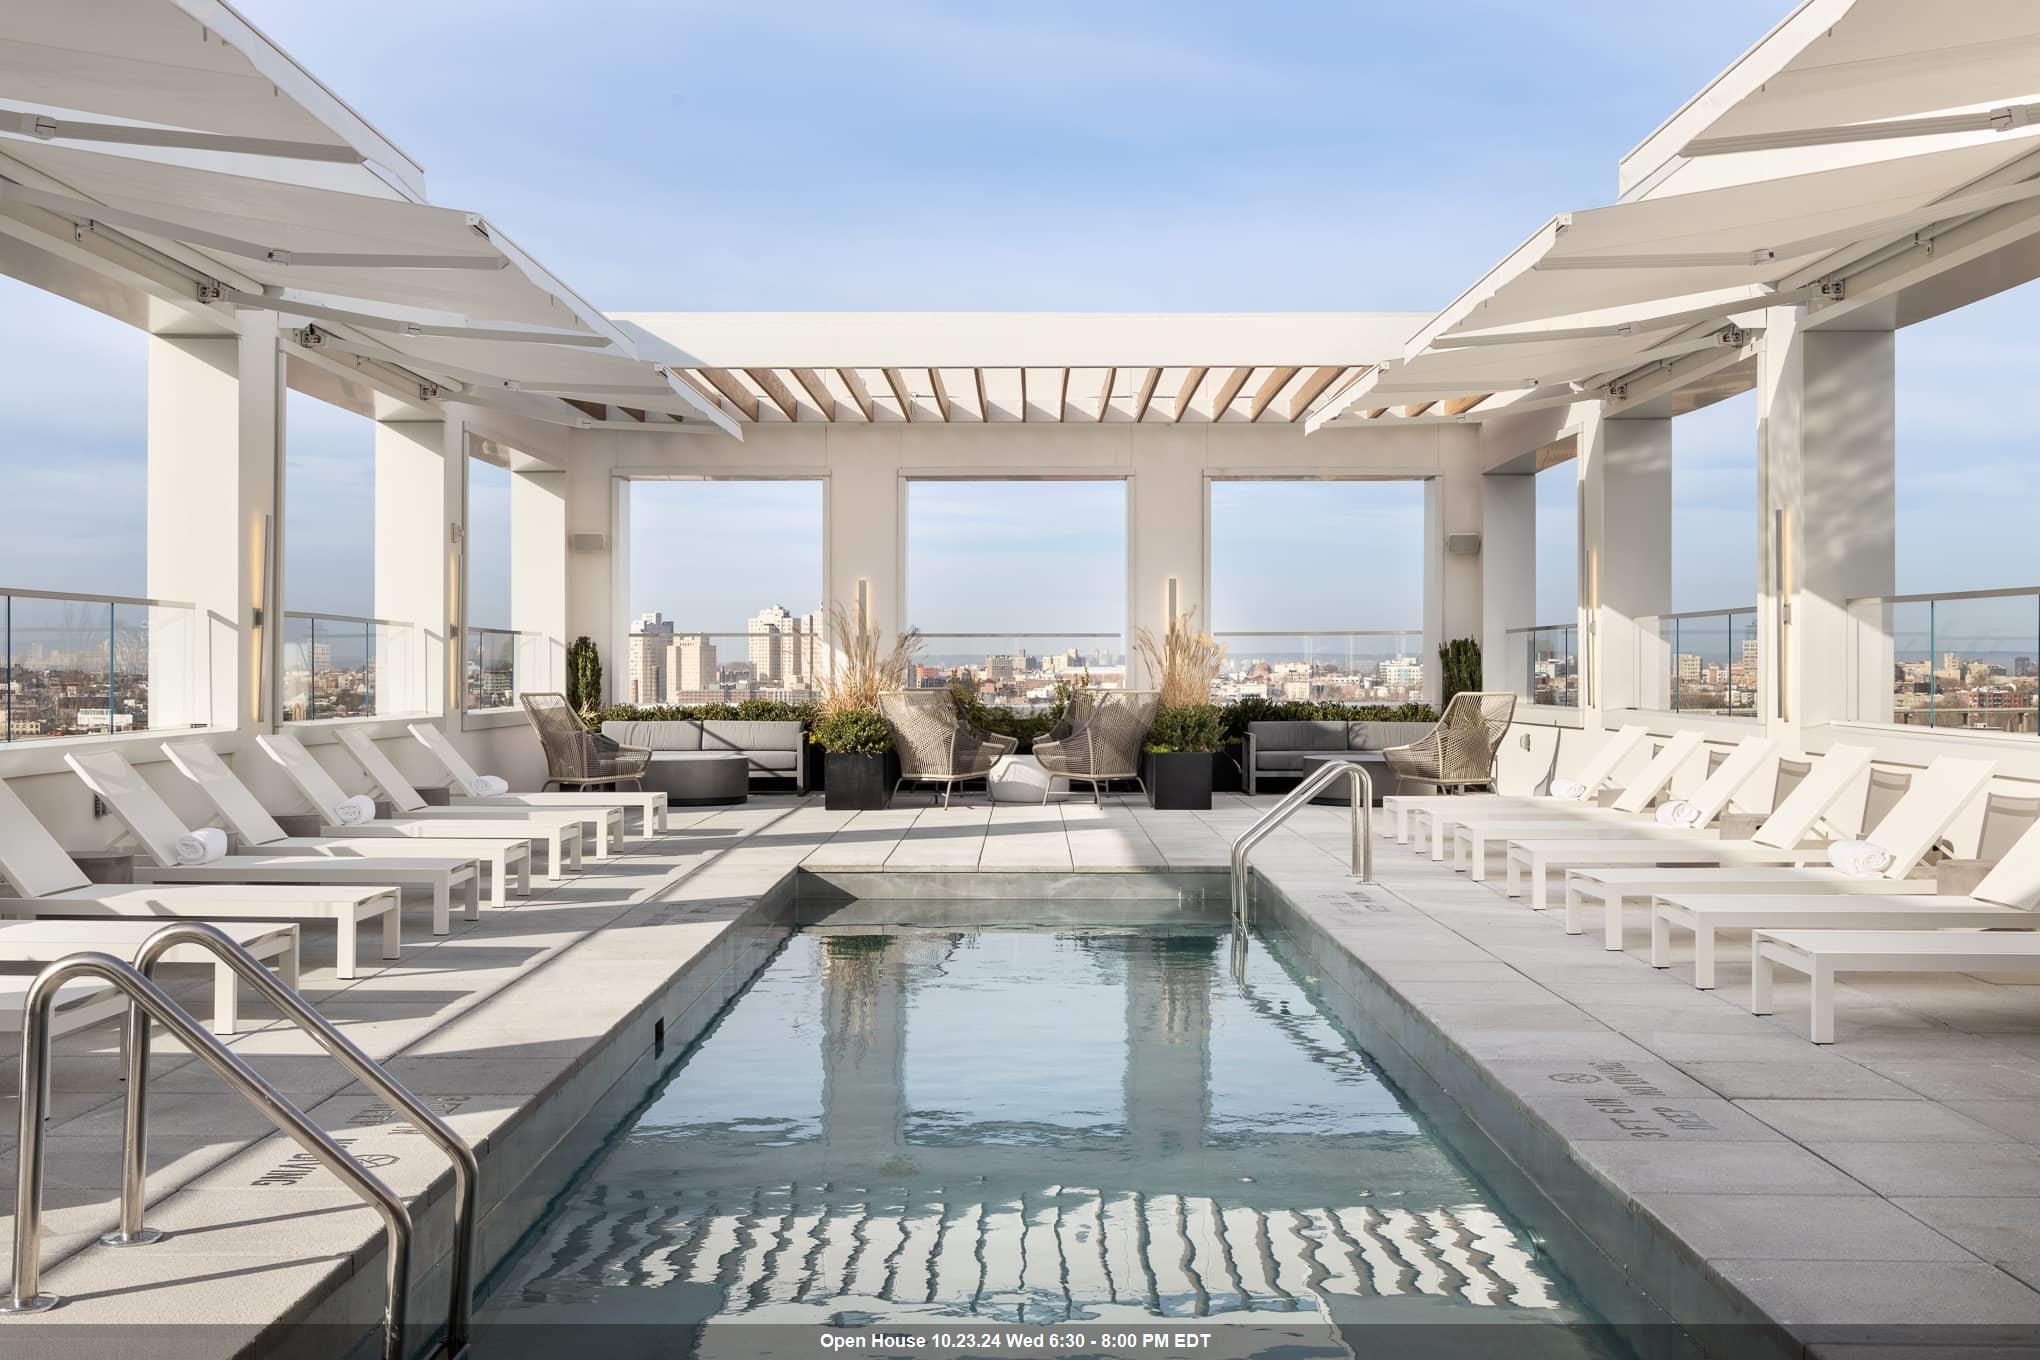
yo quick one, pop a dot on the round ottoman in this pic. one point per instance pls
(699, 778)
(1340, 792)
(1020, 779)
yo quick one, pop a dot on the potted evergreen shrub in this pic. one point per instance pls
(857, 742)
(1178, 756)
(584, 675)
(1181, 745)
(847, 724)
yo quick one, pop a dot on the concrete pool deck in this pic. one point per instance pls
(1732, 1170)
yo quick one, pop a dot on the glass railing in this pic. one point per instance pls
(1019, 670)
(1967, 659)
(96, 665)
(1358, 665)
(1702, 661)
(1543, 663)
(683, 667)
(347, 666)
(498, 664)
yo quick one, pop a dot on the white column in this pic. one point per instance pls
(866, 531)
(538, 577)
(1626, 466)
(1508, 578)
(212, 408)
(417, 521)
(1827, 444)
(1452, 581)
(1166, 538)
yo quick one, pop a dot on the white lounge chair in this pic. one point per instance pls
(466, 785)
(1937, 796)
(80, 1004)
(41, 943)
(1823, 955)
(156, 828)
(1782, 839)
(562, 838)
(1629, 812)
(599, 823)
(1412, 813)
(508, 862)
(51, 884)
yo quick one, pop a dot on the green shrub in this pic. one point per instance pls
(1459, 663)
(853, 731)
(1185, 727)
(1237, 714)
(748, 710)
(584, 674)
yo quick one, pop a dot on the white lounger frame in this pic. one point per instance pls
(271, 942)
(600, 823)
(508, 863)
(153, 826)
(651, 807)
(52, 885)
(80, 1004)
(1780, 840)
(562, 839)
(1825, 954)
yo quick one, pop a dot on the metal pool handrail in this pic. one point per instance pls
(146, 996)
(1360, 787)
(466, 1167)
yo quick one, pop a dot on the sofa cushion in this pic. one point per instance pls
(730, 735)
(1281, 762)
(658, 736)
(1379, 736)
(775, 762)
(1296, 736)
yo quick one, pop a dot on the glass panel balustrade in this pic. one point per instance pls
(101, 665)
(1703, 661)
(345, 666)
(1967, 660)
(1543, 663)
(1358, 666)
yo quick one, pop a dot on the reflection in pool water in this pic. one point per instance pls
(1029, 1126)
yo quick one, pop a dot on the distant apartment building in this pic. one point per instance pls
(783, 647)
(1401, 672)
(690, 664)
(651, 641)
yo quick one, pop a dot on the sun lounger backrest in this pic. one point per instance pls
(464, 776)
(1738, 768)
(2014, 881)
(1884, 791)
(1832, 775)
(140, 808)
(1524, 759)
(2002, 822)
(323, 791)
(1935, 798)
(30, 857)
(382, 771)
(1648, 782)
(1611, 753)
(244, 812)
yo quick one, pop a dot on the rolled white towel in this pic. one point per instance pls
(1679, 812)
(356, 810)
(202, 846)
(1570, 789)
(1859, 859)
(491, 786)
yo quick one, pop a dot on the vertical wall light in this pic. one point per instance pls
(1590, 696)
(863, 604)
(257, 632)
(1171, 603)
(1781, 537)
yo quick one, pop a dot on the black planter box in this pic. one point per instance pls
(1226, 767)
(856, 783)
(817, 765)
(1178, 780)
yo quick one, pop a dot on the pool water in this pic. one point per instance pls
(978, 1126)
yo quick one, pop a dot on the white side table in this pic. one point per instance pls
(1020, 779)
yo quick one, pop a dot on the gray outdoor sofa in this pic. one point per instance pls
(1277, 750)
(775, 750)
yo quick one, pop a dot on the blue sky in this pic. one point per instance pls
(1189, 156)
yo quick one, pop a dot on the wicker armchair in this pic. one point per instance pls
(935, 744)
(576, 758)
(1460, 751)
(1099, 739)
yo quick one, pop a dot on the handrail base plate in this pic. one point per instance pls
(144, 1238)
(41, 1303)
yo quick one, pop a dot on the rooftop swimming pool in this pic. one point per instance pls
(962, 1133)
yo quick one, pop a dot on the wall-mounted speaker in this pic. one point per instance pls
(1463, 545)
(588, 542)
